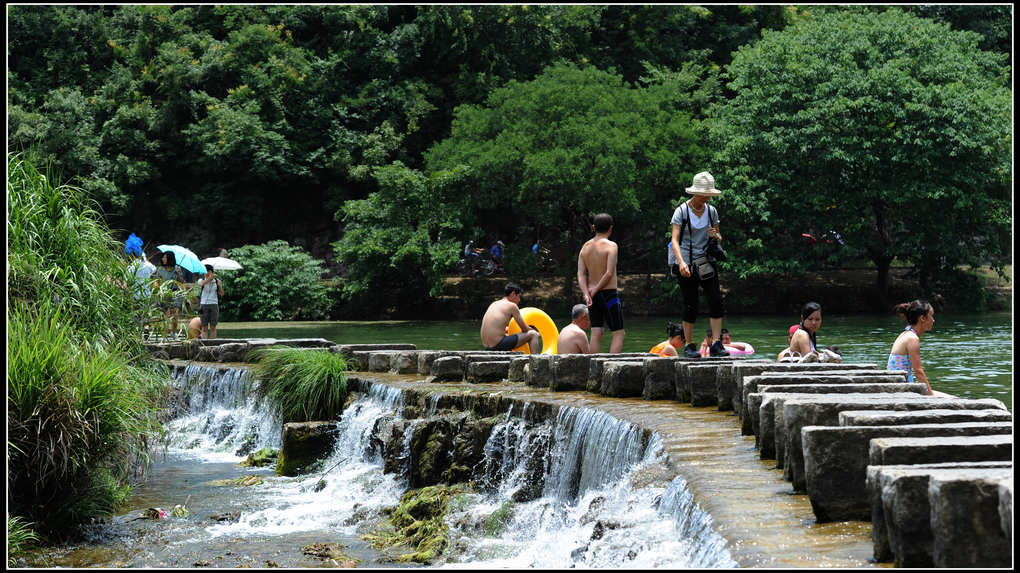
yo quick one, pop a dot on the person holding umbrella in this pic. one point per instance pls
(209, 303)
(169, 271)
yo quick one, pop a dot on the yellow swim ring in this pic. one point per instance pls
(546, 327)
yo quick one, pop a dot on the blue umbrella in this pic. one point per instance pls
(185, 258)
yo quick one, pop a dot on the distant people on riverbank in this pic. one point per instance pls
(497, 317)
(596, 275)
(905, 354)
(496, 252)
(695, 232)
(573, 339)
(674, 341)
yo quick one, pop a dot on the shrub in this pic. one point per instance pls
(77, 417)
(278, 282)
(305, 384)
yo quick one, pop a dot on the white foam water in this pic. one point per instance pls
(583, 509)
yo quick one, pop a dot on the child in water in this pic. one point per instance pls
(674, 341)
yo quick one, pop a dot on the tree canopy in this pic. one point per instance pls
(227, 125)
(891, 130)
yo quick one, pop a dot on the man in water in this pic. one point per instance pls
(497, 317)
(597, 262)
(573, 339)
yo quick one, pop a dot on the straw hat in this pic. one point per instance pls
(704, 184)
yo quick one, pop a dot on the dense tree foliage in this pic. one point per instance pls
(225, 125)
(891, 130)
(278, 282)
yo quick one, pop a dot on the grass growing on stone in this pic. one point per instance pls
(263, 457)
(419, 522)
(241, 481)
(306, 385)
(498, 521)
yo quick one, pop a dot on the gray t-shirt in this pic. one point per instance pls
(699, 235)
(210, 295)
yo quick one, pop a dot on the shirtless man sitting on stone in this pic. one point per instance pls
(573, 339)
(597, 263)
(497, 318)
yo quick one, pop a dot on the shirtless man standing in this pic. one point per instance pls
(573, 339)
(496, 319)
(597, 261)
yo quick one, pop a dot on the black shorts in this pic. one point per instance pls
(508, 343)
(606, 308)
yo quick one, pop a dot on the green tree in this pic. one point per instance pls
(278, 282)
(399, 240)
(890, 129)
(546, 155)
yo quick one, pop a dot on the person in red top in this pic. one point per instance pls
(674, 341)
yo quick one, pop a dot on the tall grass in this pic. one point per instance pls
(19, 536)
(83, 399)
(305, 384)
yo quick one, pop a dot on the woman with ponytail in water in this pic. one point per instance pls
(906, 350)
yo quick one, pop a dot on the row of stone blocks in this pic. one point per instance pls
(228, 349)
(932, 474)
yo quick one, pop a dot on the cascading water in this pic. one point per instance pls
(590, 513)
(573, 485)
(217, 416)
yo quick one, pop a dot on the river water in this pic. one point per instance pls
(970, 355)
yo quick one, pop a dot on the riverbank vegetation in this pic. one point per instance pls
(381, 139)
(305, 385)
(83, 399)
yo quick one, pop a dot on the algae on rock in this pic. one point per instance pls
(419, 522)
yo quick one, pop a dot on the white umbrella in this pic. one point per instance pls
(222, 263)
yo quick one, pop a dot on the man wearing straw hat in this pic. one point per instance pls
(695, 223)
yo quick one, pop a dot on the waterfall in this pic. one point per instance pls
(353, 487)
(217, 416)
(575, 487)
(577, 504)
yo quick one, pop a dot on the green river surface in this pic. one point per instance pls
(967, 355)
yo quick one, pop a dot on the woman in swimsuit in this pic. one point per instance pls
(804, 341)
(674, 341)
(906, 351)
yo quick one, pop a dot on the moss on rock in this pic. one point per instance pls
(419, 523)
(263, 457)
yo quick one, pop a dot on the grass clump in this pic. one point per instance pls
(83, 398)
(419, 522)
(306, 385)
(496, 523)
(20, 536)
